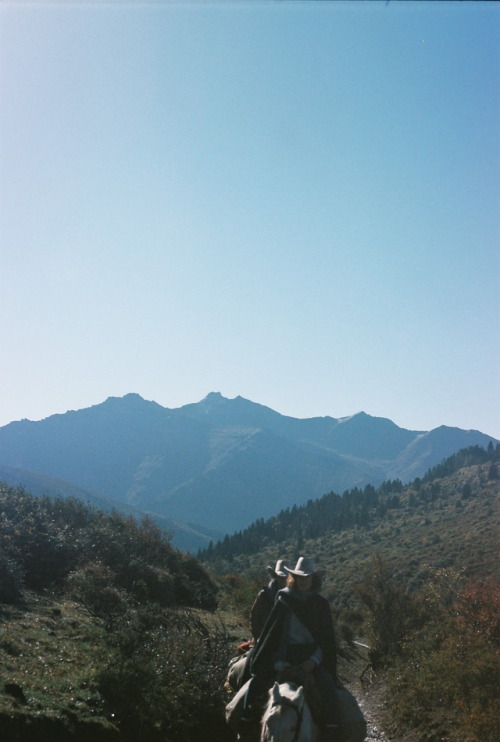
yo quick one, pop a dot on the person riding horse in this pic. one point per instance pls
(298, 637)
(263, 603)
(239, 667)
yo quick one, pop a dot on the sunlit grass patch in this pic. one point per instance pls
(49, 652)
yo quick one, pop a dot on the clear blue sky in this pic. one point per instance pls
(294, 202)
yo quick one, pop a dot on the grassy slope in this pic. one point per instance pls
(458, 528)
(448, 531)
(51, 649)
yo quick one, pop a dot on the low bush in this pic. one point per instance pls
(93, 586)
(388, 605)
(165, 681)
(239, 593)
(443, 669)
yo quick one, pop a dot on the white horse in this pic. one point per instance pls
(287, 716)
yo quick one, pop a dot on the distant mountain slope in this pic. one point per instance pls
(221, 463)
(184, 537)
(426, 449)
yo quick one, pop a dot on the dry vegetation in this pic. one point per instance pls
(108, 633)
(419, 582)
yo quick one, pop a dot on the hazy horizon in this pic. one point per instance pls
(239, 396)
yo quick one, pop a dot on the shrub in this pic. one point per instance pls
(448, 673)
(240, 593)
(166, 678)
(93, 586)
(49, 539)
(10, 580)
(147, 582)
(389, 608)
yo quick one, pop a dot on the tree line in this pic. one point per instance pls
(335, 513)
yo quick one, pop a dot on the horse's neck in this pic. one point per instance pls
(305, 729)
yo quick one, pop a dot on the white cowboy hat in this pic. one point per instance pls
(281, 570)
(305, 567)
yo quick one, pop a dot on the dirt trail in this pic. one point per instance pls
(370, 695)
(371, 704)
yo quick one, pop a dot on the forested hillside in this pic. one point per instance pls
(414, 571)
(446, 518)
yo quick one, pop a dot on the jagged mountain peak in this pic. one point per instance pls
(221, 410)
(130, 397)
(213, 398)
(132, 400)
(363, 419)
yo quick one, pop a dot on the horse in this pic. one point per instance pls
(287, 716)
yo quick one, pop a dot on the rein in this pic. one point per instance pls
(286, 702)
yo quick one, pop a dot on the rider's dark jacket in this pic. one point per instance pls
(313, 611)
(262, 607)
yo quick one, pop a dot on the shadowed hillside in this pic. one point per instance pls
(217, 465)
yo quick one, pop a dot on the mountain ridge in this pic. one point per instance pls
(220, 463)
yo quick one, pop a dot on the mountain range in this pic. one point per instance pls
(215, 466)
